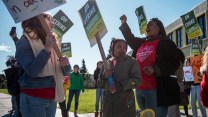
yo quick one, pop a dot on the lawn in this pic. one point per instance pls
(4, 91)
(86, 101)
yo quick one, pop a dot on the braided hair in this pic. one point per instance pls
(113, 43)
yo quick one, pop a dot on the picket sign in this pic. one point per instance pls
(192, 27)
(94, 26)
(22, 10)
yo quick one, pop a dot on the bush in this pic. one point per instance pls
(89, 82)
(3, 83)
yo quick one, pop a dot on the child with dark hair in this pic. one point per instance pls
(120, 101)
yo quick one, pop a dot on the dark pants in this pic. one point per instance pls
(64, 112)
(18, 105)
(71, 95)
(186, 107)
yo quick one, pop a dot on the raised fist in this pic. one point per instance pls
(123, 19)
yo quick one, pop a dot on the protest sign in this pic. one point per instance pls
(61, 23)
(66, 49)
(21, 10)
(92, 21)
(191, 25)
(141, 19)
(195, 48)
(188, 74)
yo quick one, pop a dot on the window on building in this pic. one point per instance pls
(170, 36)
(188, 41)
(179, 40)
(202, 24)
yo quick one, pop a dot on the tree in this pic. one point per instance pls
(83, 69)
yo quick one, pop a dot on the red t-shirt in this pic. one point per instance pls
(146, 55)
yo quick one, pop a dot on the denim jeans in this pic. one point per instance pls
(14, 106)
(147, 99)
(195, 95)
(37, 107)
(71, 95)
(99, 98)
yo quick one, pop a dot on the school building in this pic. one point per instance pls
(176, 30)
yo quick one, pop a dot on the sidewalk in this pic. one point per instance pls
(5, 106)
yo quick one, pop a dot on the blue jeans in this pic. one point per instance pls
(99, 96)
(71, 95)
(37, 107)
(195, 95)
(147, 99)
(14, 106)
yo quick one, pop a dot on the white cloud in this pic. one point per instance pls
(5, 48)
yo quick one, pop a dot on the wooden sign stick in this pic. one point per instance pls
(197, 42)
(46, 28)
(100, 46)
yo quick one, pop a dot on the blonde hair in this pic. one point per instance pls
(205, 58)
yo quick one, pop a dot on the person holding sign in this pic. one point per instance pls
(15, 39)
(158, 59)
(42, 81)
(120, 101)
(195, 87)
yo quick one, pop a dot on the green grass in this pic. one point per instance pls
(86, 101)
(4, 91)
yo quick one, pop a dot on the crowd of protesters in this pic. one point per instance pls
(155, 71)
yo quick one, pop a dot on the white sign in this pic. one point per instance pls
(21, 10)
(188, 74)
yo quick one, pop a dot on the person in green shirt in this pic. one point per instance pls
(77, 84)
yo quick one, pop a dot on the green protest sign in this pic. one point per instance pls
(61, 23)
(141, 19)
(92, 21)
(66, 49)
(191, 25)
(195, 48)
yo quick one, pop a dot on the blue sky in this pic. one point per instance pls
(166, 10)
